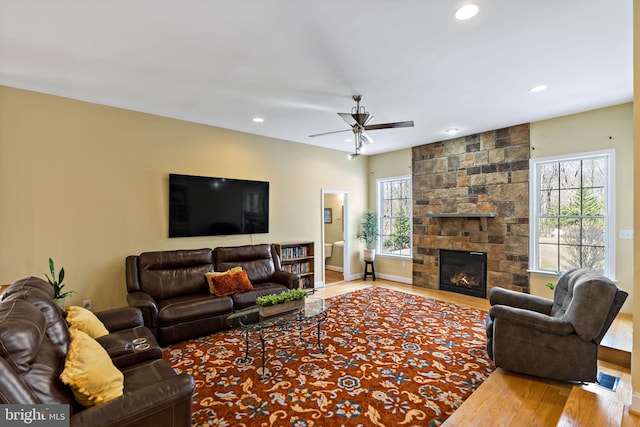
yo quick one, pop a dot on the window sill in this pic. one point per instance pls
(392, 256)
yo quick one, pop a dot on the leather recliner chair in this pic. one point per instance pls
(34, 340)
(556, 339)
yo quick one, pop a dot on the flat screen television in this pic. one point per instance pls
(204, 206)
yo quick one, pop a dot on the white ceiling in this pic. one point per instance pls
(297, 63)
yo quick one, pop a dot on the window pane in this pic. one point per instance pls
(395, 221)
(593, 172)
(548, 257)
(593, 201)
(570, 228)
(570, 202)
(570, 174)
(593, 232)
(593, 257)
(549, 202)
(549, 176)
(570, 256)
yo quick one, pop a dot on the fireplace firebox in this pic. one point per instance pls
(464, 272)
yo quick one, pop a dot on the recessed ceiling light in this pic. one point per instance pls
(538, 88)
(348, 140)
(452, 131)
(466, 12)
(258, 119)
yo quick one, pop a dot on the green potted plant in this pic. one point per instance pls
(270, 305)
(369, 234)
(58, 295)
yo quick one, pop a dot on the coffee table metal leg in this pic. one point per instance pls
(246, 345)
(262, 344)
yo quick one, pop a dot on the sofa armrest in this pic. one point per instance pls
(501, 296)
(149, 405)
(531, 320)
(121, 318)
(147, 306)
(290, 280)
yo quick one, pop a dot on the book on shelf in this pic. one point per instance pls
(294, 252)
(297, 268)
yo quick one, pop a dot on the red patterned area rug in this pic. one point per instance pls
(390, 358)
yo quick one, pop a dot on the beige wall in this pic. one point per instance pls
(387, 165)
(602, 129)
(635, 355)
(87, 185)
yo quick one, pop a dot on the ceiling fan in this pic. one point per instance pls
(359, 120)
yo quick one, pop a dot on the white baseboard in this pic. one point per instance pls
(334, 268)
(407, 280)
(635, 404)
(393, 278)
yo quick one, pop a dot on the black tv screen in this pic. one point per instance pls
(203, 206)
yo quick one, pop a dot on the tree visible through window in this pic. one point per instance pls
(570, 213)
(394, 216)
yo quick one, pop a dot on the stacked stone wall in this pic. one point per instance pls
(477, 174)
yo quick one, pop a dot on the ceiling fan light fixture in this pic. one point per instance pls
(366, 138)
(352, 156)
(467, 11)
(538, 88)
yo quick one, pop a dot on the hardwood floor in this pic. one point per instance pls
(509, 399)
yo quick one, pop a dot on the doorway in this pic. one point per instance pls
(335, 245)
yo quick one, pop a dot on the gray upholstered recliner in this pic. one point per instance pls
(556, 339)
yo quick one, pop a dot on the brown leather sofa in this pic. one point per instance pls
(34, 340)
(171, 290)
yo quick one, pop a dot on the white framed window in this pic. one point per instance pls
(572, 213)
(394, 216)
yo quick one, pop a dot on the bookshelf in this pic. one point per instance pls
(298, 257)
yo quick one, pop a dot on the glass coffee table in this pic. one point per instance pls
(260, 331)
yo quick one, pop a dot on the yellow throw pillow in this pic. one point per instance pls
(212, 275)
(89, 371)
(86, 321)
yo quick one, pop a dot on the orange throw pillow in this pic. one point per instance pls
(227, 284)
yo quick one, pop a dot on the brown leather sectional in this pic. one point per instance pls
(34, 341)
(171, 290)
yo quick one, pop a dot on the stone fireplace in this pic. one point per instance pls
(463, 272)
(472, 194)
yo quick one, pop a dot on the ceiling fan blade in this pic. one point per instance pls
(408, 124)
(348, 118)
(329, 133)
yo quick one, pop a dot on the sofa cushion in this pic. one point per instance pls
(256, 260)
(213, 274)
(169, 274)
(31, 363)
(38, 292)
(84, 320)
(229, 284)
(190, 307)
(89, 372)
(248, 298)
(22, 328)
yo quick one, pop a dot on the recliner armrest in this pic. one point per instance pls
(531, 320)
(290, 280)
(121, 318)
(143, 406)
(147, 306)
(501, 296)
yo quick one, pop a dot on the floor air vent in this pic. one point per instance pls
(608, 381)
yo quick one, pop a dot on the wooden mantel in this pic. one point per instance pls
(482, 216)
